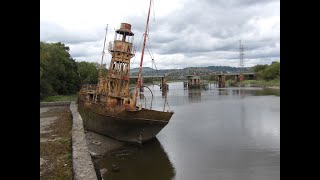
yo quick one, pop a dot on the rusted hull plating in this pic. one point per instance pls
(130, 126)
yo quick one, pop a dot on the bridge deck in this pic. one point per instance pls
(136, 77)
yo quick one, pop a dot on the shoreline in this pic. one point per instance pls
(273, 87)
(257, 86)
(100, 145)
(85, 146)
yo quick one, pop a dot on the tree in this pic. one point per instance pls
(259, 67)
(268, 72)
(88, 72)
(58, 70)
(272, 71)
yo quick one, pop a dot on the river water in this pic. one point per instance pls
(227, 134)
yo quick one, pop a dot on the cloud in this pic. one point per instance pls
(184, 33)
(51, 32)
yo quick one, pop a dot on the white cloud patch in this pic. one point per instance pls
(185, 32)
(50, 32)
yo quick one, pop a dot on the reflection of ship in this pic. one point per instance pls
(140, 163)
(108, 108)
(194, 95)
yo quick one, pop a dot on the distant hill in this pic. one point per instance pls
(225, 68)
(187, 71)
(191, 71)
(144, 69)
(149, 71)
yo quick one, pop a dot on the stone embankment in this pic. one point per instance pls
(82, 165)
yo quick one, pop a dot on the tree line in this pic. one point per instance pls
(268, 72)
(60, 74)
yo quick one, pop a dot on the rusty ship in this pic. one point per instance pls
(109, 107)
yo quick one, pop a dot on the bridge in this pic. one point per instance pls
(149, 79)
(221, 78)
(237, 77)
(236, 74)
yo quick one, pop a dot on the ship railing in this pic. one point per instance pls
(117, 74)
(112, 48)
(88, 87)
(145, 99)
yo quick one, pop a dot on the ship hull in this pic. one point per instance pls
(130, 126)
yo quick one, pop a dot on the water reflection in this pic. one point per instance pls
(223, 91)
(268, 91)
(239, 92)
(230, 133)
(255, 92)
(164, 93)
(146, 162)
(194, 95)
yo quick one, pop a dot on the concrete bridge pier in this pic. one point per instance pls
(221, 81)
(164, 86)
(185, 84)
(236, 78)
(141, 84)
(239, 77)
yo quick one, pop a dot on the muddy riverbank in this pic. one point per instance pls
(100, 147)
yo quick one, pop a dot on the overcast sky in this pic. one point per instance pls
(183, 33)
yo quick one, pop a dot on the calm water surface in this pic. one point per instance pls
(230, 133)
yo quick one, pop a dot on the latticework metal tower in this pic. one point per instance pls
(241, 50)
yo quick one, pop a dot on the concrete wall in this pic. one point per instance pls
(82, 165)
(61, 103)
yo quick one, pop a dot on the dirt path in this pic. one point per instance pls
(55, 143)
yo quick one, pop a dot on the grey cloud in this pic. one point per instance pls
(238, 3)
(55, 33)
(204, 32)
(204, 27)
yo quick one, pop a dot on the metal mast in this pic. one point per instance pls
(104, 44)
(241, 49)
(142, 53)
(100, 73)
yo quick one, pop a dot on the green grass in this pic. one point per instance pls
(260, 83)
(175, 80)
(60, 98)
(68, 156)
(65, 141)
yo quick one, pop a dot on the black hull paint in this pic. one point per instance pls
(130, 128)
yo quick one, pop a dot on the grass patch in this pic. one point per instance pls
(65, 141)
(175, 80)
(260, 83)
(68, 156)
(73, 97)
(267, 91)
(58, 154)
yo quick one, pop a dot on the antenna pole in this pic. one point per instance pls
(142, 53)
(241, 49)
(104, 44)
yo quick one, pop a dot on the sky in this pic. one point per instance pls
(182, 33)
